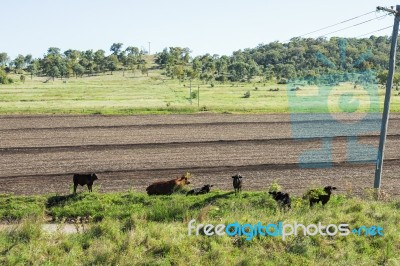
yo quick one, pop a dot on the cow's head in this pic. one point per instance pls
(237, 177)
(94, 176)
(207, 187)
(273, 193)
(328, 189)
(183, 180)
(276, 194)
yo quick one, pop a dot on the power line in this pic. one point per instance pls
(341, 22)
(366, 21)
(374, 31)
(344, 21)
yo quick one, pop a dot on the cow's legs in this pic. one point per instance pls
(75, 186)
(89, 187)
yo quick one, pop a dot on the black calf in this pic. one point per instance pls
(283, 199)
(237, 183)
(323, 198)
(197, 191)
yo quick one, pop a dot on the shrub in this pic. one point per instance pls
(274, 187)
(246, 94)
(3, 78)
(282, 81)
(221, 78)
(204, 108)
(313, 193)
(28, 230)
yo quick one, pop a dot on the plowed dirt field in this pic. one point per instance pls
(39, 154)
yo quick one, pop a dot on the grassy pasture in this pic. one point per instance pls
(155, 94)
(133, 229)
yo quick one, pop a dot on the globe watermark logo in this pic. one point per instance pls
(343, 104)
(280, 229)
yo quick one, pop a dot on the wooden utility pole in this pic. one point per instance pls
(389, 85)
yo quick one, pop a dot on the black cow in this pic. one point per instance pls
(197, 191)
(283, 199)
(323, 198)
(237, 183)
(84, 179)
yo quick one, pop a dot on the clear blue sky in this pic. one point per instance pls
(215, 27)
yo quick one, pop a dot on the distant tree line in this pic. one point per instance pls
(307, 58)
(74, 63)
(300, 57)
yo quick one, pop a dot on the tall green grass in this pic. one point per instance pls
(135, 229)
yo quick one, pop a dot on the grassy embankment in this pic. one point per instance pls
(134, 229)
(157, 94)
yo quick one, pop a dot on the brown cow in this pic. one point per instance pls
(84, 179)
(166, 187)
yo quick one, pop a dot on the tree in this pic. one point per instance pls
(62, 67)
(238, 71)
(132, 58)
(87, 61)
(112, 63)
(72, 55)
(53, 64)
(100, 61)
(3, 77)
(131, 61)
(54, 72)
(33, 67)
(71, 58)
(285, 71)
(162, 58)
(172, 57)
(18, 63)
(268, 72)
(143, 68)
(116, 48)
(122, 58)
(191, 73)
(4, 59)
(221, 65)
(53, 51)
(78, 70)
(132, 50)
(382, 77)
(253, 70)
(28, 59)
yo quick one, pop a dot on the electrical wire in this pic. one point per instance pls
(374, 31)
(358, 24)
(342, 22)
(333, 25)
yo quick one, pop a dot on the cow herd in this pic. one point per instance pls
(170, 186)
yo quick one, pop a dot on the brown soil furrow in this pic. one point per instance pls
(39, 154)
